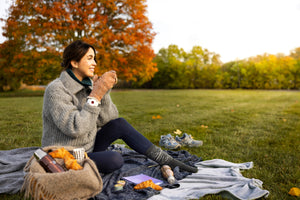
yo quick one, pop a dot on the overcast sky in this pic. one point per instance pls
(234, 29)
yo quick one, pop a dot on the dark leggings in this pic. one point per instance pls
(109, 161)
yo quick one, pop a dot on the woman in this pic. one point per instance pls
(79, 112)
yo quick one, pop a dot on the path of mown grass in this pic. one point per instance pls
(258, 126)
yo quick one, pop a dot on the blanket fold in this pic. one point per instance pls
(12, 163)
(214, 177)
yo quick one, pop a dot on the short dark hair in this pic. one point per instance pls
(75, 51)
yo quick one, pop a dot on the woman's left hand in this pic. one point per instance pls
(103, 84)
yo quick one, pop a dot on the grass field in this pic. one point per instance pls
(242, 126)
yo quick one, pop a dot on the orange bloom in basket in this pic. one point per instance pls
(69, 160)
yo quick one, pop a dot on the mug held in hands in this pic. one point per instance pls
(102, 84)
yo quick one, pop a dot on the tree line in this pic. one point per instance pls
(37, 31)
(200, 68)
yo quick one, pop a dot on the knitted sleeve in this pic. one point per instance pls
(108, 111)
(62, 111)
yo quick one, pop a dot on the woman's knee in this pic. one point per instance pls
(107, 161)
(117, 125)
(117, 160)
(119, 122)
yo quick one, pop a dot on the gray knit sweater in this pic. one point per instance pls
(67, 119)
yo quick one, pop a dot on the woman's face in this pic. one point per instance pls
(86, 66)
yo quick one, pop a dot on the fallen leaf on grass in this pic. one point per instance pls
(294, 192)
(177, 132)
(156, 117)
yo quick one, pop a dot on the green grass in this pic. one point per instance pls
(243, 125)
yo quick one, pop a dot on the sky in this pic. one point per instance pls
(234, 29)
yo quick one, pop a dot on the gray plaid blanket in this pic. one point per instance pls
(214, 177)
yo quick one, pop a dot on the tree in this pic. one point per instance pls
(8, 73)
(296, 69)
(178, 69)
(203, 66)
(119, 30)
(171, 69)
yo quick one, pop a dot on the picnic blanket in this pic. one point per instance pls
(13, 161)
(216, 176)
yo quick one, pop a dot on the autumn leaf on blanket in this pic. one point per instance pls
(146, 184)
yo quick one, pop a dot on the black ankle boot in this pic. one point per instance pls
(161, 157)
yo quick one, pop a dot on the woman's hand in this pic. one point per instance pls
(103, 83)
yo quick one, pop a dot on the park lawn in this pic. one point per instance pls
(235, 125)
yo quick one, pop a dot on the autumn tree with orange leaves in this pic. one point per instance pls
(37, 31)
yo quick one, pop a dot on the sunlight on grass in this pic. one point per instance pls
(242, 126)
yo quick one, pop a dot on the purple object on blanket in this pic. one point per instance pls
(13, 161)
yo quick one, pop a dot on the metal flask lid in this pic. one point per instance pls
(39, 154)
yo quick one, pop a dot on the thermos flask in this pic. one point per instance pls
(47, 162)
